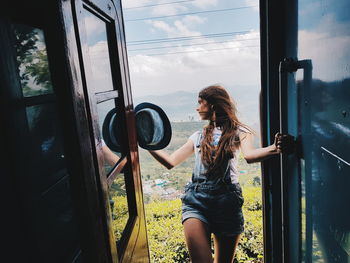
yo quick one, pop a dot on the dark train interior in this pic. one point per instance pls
(57, 183)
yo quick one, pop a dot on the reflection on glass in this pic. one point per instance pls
(119, 205)
(32, 62)
(110, 157)
(303, 211)
(46, 142)
(96, 34)
(324, 37)
(116, 176)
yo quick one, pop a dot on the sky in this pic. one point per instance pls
(189, 45)
(184, 45)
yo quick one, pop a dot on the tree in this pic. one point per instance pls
(32, 62)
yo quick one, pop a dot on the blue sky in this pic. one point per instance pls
(232, 61)
(206, 57)
(204, 23)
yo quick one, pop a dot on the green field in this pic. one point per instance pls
(177, 177)
(163, 212)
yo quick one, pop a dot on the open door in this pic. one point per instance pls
(67, 197)
(102, 56)
(309, 70)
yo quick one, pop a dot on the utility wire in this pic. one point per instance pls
(169, 3)
(191, 13)
(172, 39)
(196, 44)
(196, 51)
(98, 52)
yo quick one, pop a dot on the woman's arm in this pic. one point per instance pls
(110, 157)
(177, 157)
(252, 154)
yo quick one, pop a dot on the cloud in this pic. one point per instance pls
(318, 46)
(100, 66)
(328, 37)
(134, 3)
(234, 64)
(183, 30)
(193, 20)
(93, 25)
(205, 3)
(178, 27)
(163, 26)
(254, 3)
(164, 10)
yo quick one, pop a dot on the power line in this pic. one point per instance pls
(191, 13)
(196, 44)
(171, 39)
(196, 51)
(169, 3)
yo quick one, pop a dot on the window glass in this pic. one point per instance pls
(96, 36)
(42, 175)
(46, 145)
(323, 39)
(96, 44)
(116, 175)
(119, 205)
(32, 61)
(103, 109)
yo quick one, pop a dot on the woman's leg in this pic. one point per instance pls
(224, 248)
(198, 241)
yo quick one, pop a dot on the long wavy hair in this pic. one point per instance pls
(222, 114)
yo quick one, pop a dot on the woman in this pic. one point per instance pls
(212, 201)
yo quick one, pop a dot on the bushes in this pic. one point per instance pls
(166, 238)
(250, 248)
(120, 214)
(165, 234)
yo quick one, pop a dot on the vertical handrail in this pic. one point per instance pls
(290, 65)
(306, 145)
(286, 66)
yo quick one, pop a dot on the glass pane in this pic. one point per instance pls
(96, 36)
(41, 175)
(119, 205)
(32, 61)
(46, 144)
(303, 210)
(111, 156)
(48, 205)
(117, 190)
(323, 37)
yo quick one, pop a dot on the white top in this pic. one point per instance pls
(234, 175)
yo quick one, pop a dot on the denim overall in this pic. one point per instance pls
(214, 200)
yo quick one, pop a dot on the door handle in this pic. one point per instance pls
(291, 65)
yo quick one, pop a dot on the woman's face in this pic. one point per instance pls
(203, 109)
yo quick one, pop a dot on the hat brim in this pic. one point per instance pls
(166, 125)
(111, 131)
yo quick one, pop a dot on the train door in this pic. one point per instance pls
(100, 36)
(308, 66)
(66, 196)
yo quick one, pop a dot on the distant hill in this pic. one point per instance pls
(181, 105)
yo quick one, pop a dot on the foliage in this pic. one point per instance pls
(32, 62)
(165, 232)
(250, 248)
(120, 215)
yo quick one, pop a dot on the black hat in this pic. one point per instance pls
(152, 126)
(111, 131)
